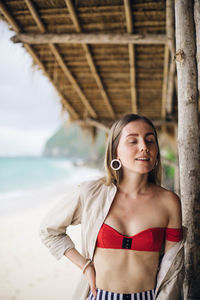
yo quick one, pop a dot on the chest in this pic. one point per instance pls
(130, 216)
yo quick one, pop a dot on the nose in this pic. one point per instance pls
(143, 146)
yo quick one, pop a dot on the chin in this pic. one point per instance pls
(144, 170)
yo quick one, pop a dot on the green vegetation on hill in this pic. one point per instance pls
(73, 142)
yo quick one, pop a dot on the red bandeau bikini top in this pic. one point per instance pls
(150, 239)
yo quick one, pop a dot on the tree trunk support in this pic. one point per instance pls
(188, 142)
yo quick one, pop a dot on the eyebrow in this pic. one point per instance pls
(136, 134)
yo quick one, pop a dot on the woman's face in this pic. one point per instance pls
(137, 148)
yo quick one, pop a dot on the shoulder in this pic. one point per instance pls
(172, 204)
(169, 198)
(93, 185)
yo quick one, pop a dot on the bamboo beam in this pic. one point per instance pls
(64, 101)
(94, 123)
(9, 18)
(74, 83)
(197, 26)
(101, 125)
(165, 123)
(17, 28)
(90, 60)
(131, 49)
(170, 30)
(61, 62)
(90, 38)
(164, 85)
(188, 142)
(35, 15)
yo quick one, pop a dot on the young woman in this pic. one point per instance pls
(128, 221)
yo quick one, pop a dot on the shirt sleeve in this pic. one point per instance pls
(52, 229)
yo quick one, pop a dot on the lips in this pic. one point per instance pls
(142, 158)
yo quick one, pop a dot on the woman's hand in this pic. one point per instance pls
(89, 270)
(91, 277)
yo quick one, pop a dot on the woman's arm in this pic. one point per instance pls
(75, 257)
(52, 230)
(175, 216)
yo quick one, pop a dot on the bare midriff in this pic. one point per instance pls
(125, 271)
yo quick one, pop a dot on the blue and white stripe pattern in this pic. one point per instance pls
(105, 295)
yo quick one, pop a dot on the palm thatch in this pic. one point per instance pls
(104, 57)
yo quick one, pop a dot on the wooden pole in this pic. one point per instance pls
(188, 143)
(131, 50)
(197, 27)
(89, 38)
(176, 173)
(171, 44)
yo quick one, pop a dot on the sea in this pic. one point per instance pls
(21, 176)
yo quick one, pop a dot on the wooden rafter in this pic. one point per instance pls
(16, 27)
(90, 59)
(94, 123)
(74, 83)
(61, 62)
(65, 102)
(9, 18)
(171, 45)
(35, 15)
(164, 86)
(91, 38)
(197, 27)
(131, 49)
(101, 125)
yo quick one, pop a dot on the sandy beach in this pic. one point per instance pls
(28, 270)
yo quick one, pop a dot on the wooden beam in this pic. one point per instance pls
(101, 125)
(64, 101)
(94, 123)
(90, 59)
(188, 142)
(72, 80)
(90, 38)
(197, 26)
(164, 86)
(131, 49)
(9, 17)
(99, 81)
(73, 15)
(170, 30)
(158, 123)
(35, 15)
(61, 61)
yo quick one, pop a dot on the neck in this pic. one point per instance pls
(135, 184)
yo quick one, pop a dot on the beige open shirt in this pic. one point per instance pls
(88, 204)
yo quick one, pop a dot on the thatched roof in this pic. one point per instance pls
(82, 46)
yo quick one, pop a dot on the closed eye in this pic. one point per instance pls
(150, 142)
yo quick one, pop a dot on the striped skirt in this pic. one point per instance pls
(104, 295)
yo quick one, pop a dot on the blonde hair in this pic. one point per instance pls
(113, 176)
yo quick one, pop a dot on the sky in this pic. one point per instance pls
(30, 110)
